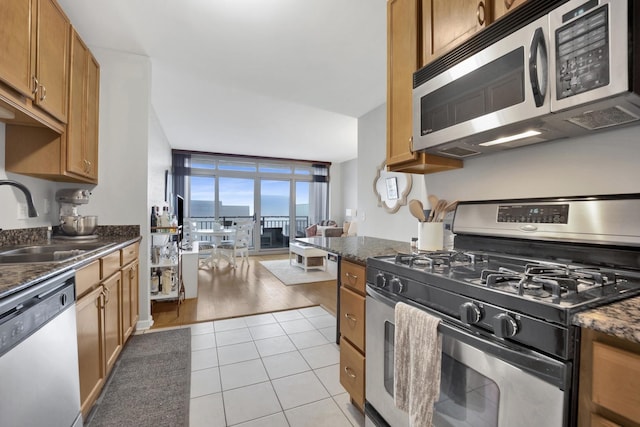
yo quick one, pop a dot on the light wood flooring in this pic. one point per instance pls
(249, 289)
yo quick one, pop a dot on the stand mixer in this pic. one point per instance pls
(72, 224)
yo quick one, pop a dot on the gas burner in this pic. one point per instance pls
(439, 261)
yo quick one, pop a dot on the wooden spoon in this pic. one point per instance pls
(433, 201)
(439, 209)
(416, 209)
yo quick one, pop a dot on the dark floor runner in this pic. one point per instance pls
(150, 384)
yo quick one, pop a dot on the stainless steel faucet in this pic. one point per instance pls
(27, 194)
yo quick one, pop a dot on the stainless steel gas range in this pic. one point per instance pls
(506, 295)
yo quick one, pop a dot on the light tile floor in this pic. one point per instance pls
(269, 370)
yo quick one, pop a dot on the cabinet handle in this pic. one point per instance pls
(107, 294)
(349, 372)
(351, 317)
(35, 85)
(351, 276)
(43, 94)
(508, 3)
(480, 13)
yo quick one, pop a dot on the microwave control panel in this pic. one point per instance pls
(582, 52)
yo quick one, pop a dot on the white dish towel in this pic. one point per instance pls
(417, 354)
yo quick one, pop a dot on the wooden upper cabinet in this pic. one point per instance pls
(82, 128)
(448, 23)
(52, 63)
(404, 35)
(402, 62)
(502, 7)
(17, 38)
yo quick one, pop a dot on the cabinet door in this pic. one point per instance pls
(352, 310)
(92, 111)
(52, 70)
(447, 23)
(402, 62)
(90, 347)
(130, 277)
(17, 43)
(502, 7)
(112, 336)
(77, 96)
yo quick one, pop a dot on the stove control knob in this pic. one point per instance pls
(504, 326)
(470, 313)
(381, 281)
(396, 284)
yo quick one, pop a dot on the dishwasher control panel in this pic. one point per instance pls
(26, 312)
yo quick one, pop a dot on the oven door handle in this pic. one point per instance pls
(537, 364)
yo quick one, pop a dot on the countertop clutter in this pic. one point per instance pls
(14, 277)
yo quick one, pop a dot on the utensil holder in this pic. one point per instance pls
(430, 236)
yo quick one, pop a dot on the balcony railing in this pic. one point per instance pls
(274, 230)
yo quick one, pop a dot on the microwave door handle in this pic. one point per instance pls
(538, 51)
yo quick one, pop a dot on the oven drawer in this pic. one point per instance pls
(352, 372)
(353, 276)
(616, 380)
(352, 321)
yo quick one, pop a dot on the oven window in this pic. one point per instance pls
(467, 398)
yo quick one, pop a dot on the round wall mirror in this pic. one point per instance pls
(391, 188)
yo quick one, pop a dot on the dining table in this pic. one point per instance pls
(217, 235)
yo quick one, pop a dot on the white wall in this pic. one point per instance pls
(349, 174)
(159, 161)
(374, 220)
(11, 196)
(602, 163)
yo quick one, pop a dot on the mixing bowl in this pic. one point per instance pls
(78, 225)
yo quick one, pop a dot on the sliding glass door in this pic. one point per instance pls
(283, 197)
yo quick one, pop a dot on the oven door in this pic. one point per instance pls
(482, 383)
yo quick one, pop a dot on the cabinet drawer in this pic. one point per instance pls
(353, 314)
(352, 372)
(110, 264)
(598, 421)
(129, 253)
(353, 276)
(86, 277)
(616, 380)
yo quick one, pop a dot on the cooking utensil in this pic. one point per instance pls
(450, 207)
(78, 225)
(433, 201)
(417, 210)
(438, 210)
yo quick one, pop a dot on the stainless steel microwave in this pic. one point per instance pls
(541, 73)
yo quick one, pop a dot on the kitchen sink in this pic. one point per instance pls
(57, 252)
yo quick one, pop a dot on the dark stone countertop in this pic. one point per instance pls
(357, 248)
(15, 277)
(620, 319)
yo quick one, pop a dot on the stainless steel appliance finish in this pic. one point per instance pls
(546, 71)
(519, 271)
(481, 383)
(39, 356)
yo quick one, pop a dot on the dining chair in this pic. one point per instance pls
(239, 244)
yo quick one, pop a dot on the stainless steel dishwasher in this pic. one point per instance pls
(39, 356)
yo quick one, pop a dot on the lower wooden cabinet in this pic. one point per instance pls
(352, 369)
(609, 381)
(352, 330)
(107, 312)
(89, 318)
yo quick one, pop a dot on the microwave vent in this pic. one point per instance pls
(458, 152)
(594, 120)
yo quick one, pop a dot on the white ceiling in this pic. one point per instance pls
(276, 78)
